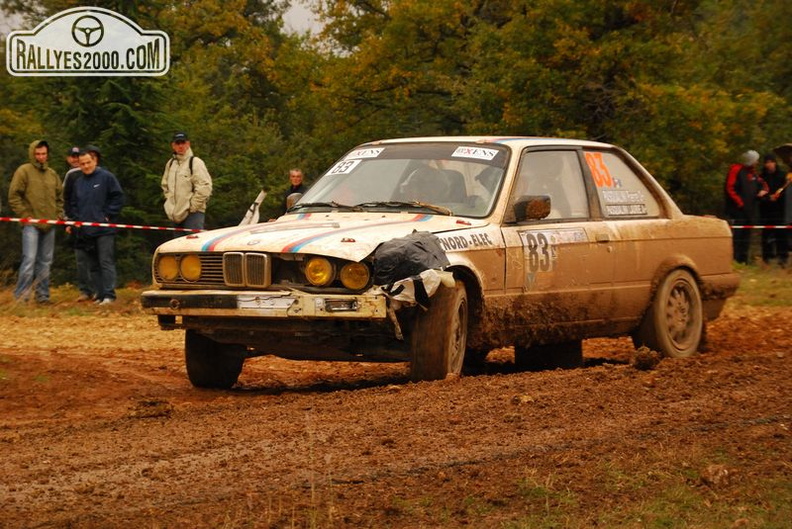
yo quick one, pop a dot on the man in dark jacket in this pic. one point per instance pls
(36, 192)
(743, 190)
(97, 197)
(772, 212)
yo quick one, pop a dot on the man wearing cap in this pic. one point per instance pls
(743, 190)
(186, 184)
(36, 192)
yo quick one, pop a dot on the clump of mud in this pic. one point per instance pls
(646, 359)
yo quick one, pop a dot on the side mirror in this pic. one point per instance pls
(532, 207)
(292, 200)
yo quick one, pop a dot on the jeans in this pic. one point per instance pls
(85, 272)
(38, 248)
(194, 221)
(101, 262)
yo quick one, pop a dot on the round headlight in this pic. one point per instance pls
(190, 267)
(168, 268)
(319, 271)
(355, 276)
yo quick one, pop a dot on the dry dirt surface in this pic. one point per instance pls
(99, 427)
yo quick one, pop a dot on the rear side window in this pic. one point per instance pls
(621, 192)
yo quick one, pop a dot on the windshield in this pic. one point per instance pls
(441, 178)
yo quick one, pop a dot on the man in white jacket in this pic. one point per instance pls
(186, 184)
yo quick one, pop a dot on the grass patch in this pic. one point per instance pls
(763, 286)
(64, 303)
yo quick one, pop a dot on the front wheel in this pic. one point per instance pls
(211, 364)
(439, 336)
(674, 323)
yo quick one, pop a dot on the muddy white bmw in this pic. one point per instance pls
(437, 250)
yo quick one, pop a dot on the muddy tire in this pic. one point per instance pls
(211, 364)
(567, 355)
(674, 323)
(439, 336)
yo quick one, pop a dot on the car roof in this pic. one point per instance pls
(515, 141)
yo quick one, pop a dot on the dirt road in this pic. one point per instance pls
(99, 427)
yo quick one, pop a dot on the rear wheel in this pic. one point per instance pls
(211, 364)
(674, 323)
(439, 336)
(567, 355)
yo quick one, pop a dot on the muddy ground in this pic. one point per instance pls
(99, 427)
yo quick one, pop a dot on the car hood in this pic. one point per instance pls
(350, 236)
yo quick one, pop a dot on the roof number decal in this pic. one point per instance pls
(475, 152)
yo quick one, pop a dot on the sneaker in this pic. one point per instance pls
(43, 302)
(105, 301)
(85, 297)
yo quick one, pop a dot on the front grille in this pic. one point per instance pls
(257, 270)
(230, 269)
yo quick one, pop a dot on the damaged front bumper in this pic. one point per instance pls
(281, 304)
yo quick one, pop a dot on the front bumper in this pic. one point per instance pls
(281, 304)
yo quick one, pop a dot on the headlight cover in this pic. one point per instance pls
(190, 267)
(319, 271)
(168, 267)
(355, 276)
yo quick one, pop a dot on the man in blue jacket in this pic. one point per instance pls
(97, 197)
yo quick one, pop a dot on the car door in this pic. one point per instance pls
(560, 267)
(643, 235)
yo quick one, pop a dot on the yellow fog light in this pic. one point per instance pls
(168, 268)
(190, 267)
(355, 276)
(319, 271)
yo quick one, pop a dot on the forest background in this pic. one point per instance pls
(684, 85)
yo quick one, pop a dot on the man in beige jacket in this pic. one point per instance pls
(187, 185)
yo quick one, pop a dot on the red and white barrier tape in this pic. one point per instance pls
(78, 223)
(748, 227)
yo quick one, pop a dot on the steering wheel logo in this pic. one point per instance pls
(87, 31)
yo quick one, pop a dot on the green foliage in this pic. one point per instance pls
(684, 86)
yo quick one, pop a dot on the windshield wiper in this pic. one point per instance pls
(333, 205)
(400, 205)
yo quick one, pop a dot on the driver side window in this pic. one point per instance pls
(556, 174)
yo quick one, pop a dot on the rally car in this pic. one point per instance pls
(434, 251)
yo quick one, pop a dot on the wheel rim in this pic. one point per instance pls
(682, 315)
(458, 343)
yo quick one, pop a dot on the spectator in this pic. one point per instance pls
(295, 186)
(772, 213)
(36, 192)
(186, 184)
(743, 190)
(97, 197)
(85, 282)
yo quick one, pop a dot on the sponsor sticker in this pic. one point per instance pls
(479, 153)
(88, 42)
(365, 153)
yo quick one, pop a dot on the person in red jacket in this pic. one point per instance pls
(743, 190)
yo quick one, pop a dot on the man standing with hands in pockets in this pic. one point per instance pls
(186, 184)
(97, 197)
